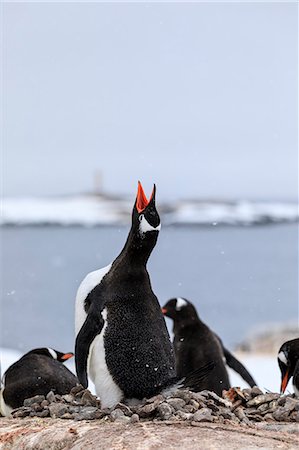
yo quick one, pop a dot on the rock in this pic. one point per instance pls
(148, 410)
(295, 416)
(211, 405)
(57, 410)
(88, 399)
(36, 399)
(195, 404)
(79, 389)
(125, 409)
(291, 404)
(156, 399)
(264, 398)
(44, 413)
(281, 401)
(176, 403)
(123, 419)
(67, 415)
(184, 394)
(116, 414)
(51, 397)
(198, 397)
(164, 411)
(281, 414)
(226, 413)
(203, 415)
(218, 400)
(255, 391)
(134, 418)
(184, 415)
(21, 412)
(269, 418)
(87, 413)
(68, 398)
(248, 394)
(44, 403)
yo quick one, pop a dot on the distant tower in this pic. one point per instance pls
(98, 182)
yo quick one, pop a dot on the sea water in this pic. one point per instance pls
(238, 277)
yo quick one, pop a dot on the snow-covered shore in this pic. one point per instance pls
(93, 210)
(264, 369)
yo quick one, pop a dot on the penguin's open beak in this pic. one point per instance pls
(164, 310)
(284, 381)
(67, 356)
(141, 200)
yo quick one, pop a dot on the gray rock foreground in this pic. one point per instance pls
(243, 419)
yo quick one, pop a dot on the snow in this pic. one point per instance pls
(91, 210)
(264, 369)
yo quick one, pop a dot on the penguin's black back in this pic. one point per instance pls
(196, 345)
(36, 374)
(139, 353)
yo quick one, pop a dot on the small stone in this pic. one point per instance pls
(44, 413)
(264, 398)
(125, 409)
(51, 397)
(77, 389)
(269, 418)
(281, 401)
(147, 410)
(194, 403)
(281, 414)
(256, 391)
(164, 411)
(87, 413)
(291, 404)
(44, 403)
(156, 399)
(184, 394)
(176, 403)
(184, 416)
(123, 419)
(35, 399)
(263, 407)
(295, 416)
(116, 414)
(218, 400)
(211, 405)
(57, 410)
(198, 397)
(21, 412)
(226, 413)
(203, 415)
(134, 418)
(68, 398)
(239, 412)
(247, 394)
(88, 399)
(67, 416)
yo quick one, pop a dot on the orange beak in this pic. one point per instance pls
(67, 356)
(164, 310)
(141, 200)
(284, 382)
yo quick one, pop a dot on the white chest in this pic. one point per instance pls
(88, 284)
(108, 391)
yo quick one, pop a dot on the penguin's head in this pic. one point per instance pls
(145, 217)
(287, 358)
(51, 353)
(179, 309)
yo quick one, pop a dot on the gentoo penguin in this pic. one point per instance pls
(122, 341)
(195, 344)
(288, 360)
(36, 373)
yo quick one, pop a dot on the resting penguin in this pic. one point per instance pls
(122, 341)
(195, 344)
(288, 360)
(36, 373)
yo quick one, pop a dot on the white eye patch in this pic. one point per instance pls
(282, 358)
(180, 303)
(144, 226)
(52, 353)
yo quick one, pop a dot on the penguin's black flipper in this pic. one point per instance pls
(90, 329)
(238, 367)
(195, 380)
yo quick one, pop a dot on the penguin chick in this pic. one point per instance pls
(195, 345)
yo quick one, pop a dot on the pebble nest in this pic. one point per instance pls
(239, 406)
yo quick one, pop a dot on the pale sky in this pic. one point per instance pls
(200, 98)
